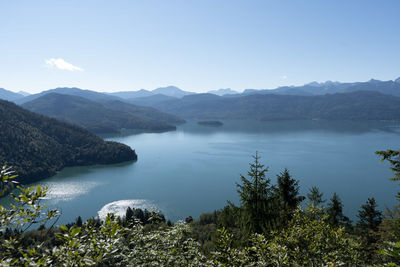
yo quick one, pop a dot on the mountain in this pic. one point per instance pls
(106, 117)
(360, 105)
(221, 92)
(88, 94)
(329, 87)
(8, 95)
(132, 94)
(37, 146)
(171, 91)
(397, 80)
(23, 93)
(150, 101)
(145, 113)
(384, 87)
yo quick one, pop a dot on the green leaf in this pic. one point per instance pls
(76, 231)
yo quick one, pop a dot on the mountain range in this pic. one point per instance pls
(391, 87)
(329, 87)
(9, 95)
(171, 91)
(359, 105)
(151, 110)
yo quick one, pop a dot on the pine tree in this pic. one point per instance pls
(369, 220)
(369, 217)
(287, 194)
(78, 221)
(315, 197)
(335, 212)
(129, 214)
(256, 198)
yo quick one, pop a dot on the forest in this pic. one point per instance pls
(38, 146)
(273, 225)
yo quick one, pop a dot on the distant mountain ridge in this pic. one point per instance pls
(38, 146)
(359, 105)
(391, 87)
(108, 116)
(329, 87)
(9, 96)
(89, 94)
(221, 92)
(171, 91)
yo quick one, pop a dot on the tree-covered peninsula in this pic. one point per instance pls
(37, 146)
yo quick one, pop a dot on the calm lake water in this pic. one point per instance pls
(194, 169)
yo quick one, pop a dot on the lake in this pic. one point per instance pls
(194, 169)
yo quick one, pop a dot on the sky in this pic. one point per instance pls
(195, 45)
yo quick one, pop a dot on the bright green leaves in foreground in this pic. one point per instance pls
(267, 229)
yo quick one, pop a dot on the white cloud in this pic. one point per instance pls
(61, 64)
(283, 77)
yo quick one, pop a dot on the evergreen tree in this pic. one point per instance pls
(287, 194)
(393, 251)
(129, 214)
(369, 220)
(78, 221)
(369, 217)
(256, 198)
(315, 197)
(335, 212)
(393, 156)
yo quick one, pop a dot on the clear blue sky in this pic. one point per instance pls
(196, 45)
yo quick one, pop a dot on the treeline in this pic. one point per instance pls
(268, 228)
(37, 146)
(272, 210)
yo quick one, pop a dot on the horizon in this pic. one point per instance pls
(183, 89)
(196, 46)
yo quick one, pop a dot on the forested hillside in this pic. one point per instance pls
(38, 146)
(109, 116)
(363, 105)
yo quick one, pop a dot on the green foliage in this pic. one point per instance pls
(308, 240)
(335, 212)
(25, 211)
(311, 241)
(393, 156)
(315, 197)
(311, 237)
(287, 194)
(369, 217)
(256, 197)
(392, 248)
(369, 220)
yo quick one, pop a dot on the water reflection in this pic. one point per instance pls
(119, 207)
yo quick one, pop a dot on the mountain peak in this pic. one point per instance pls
(397, 80)
(171, 91)
(374, 81)
(23, 93)
(222, 92)
(314, 84)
